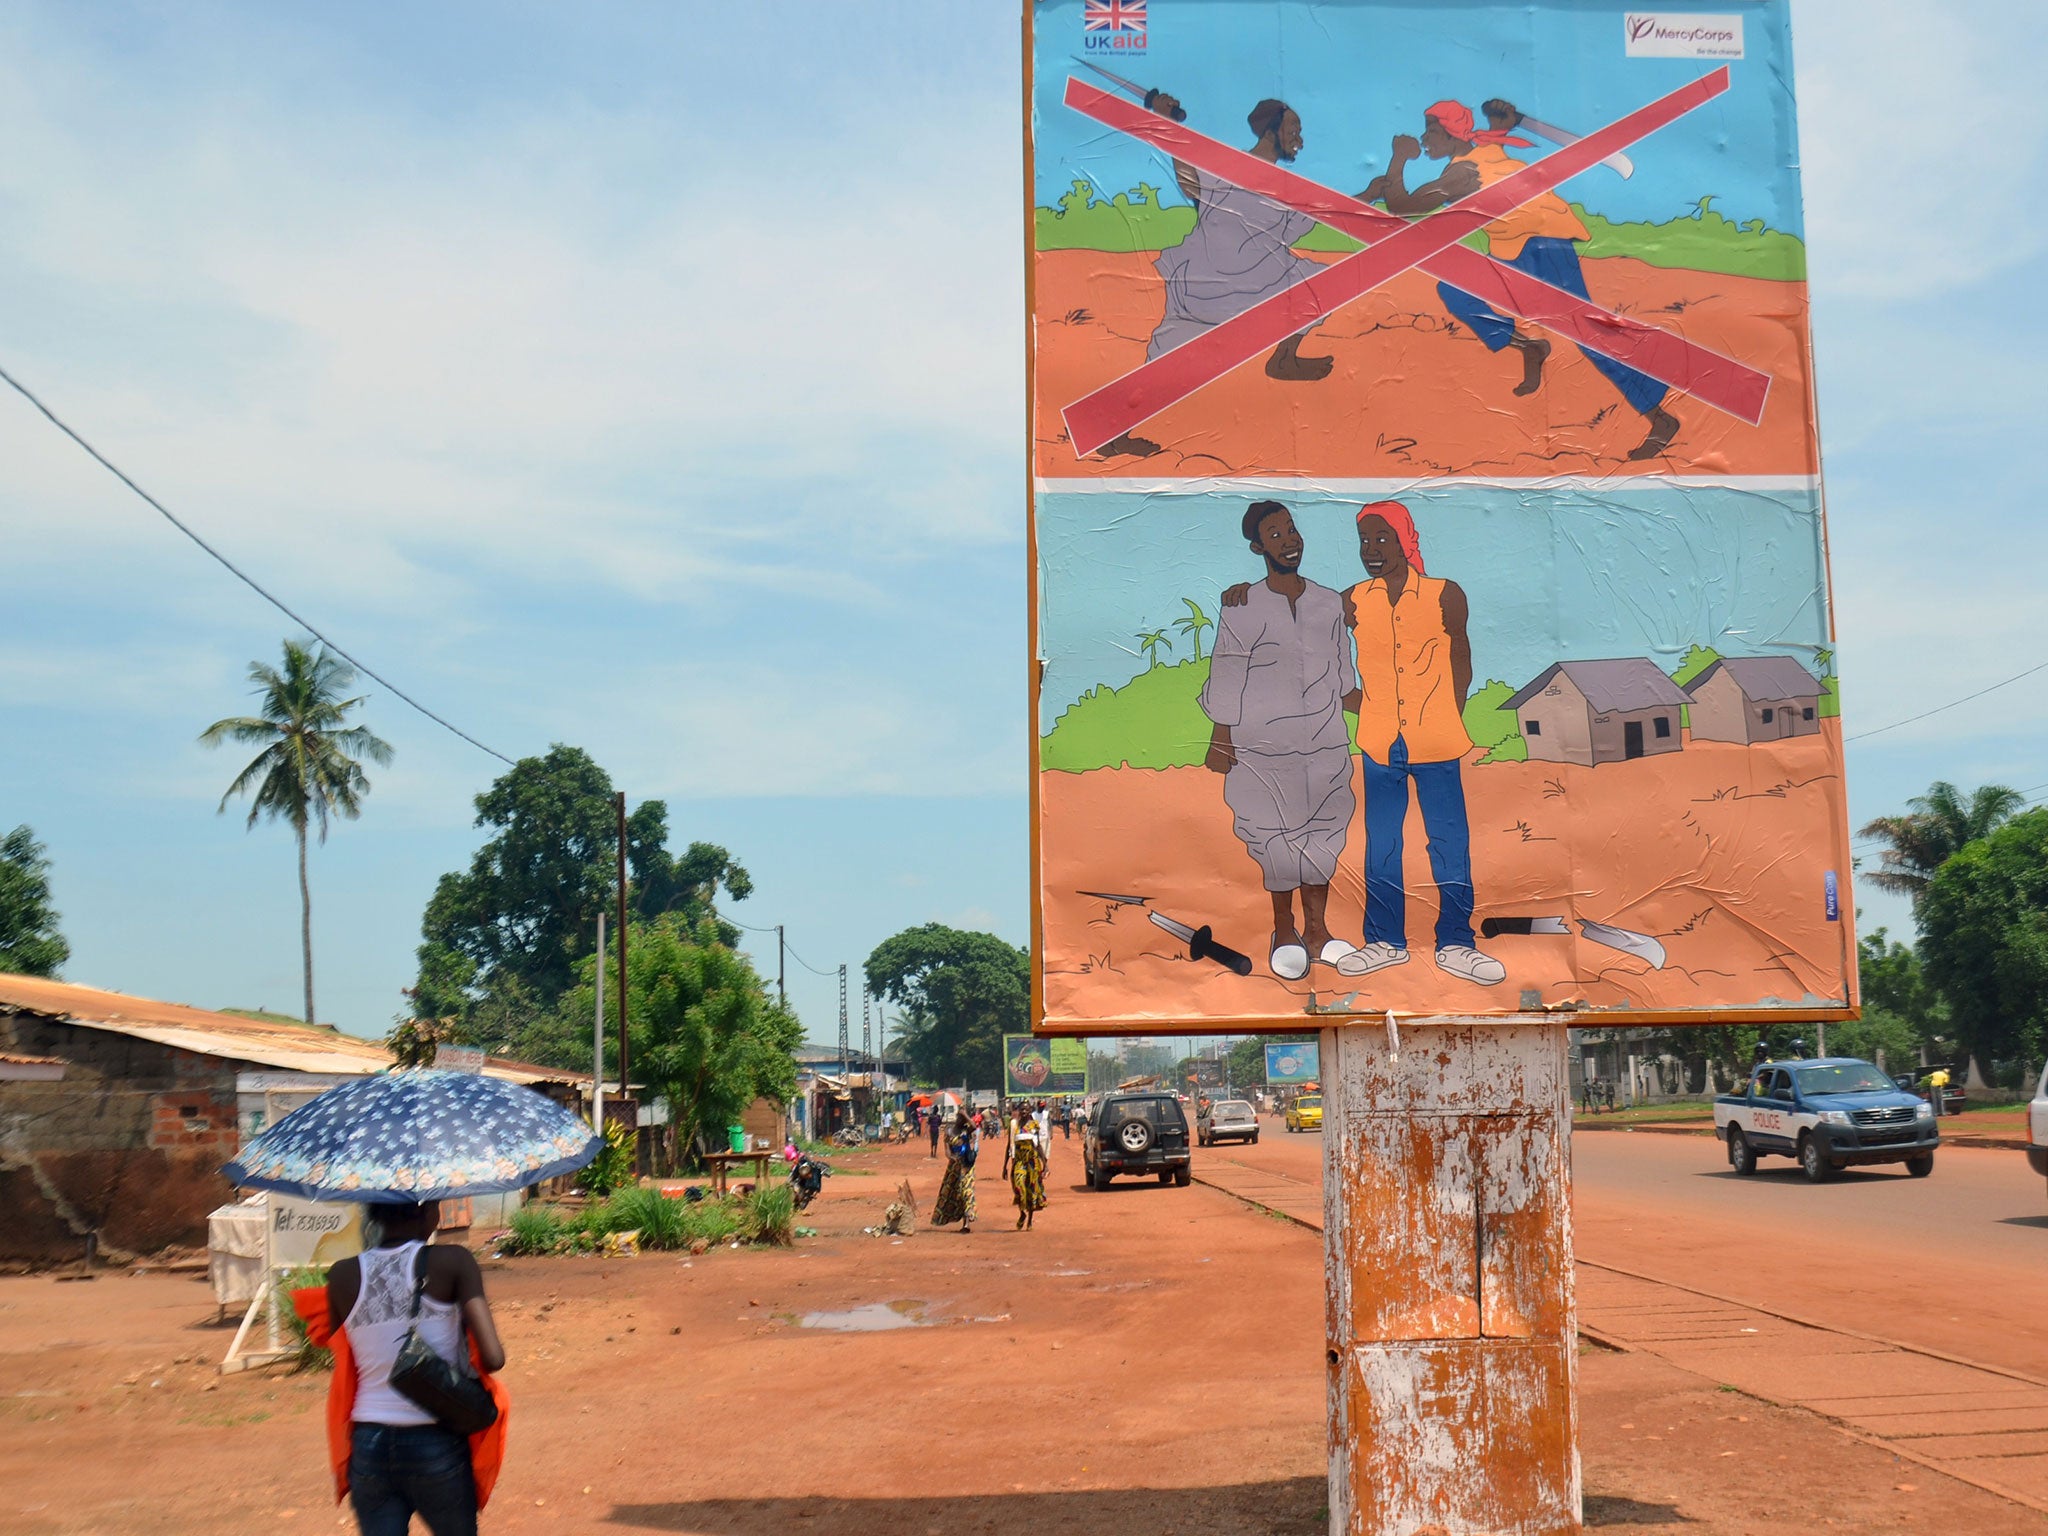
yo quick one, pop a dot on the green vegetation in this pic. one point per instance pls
(306, 1355)
(662, 1223)
(1492, 725)
(768, 1215)
(309, 770)
(613, 1165)
(1703, 240)
(1152, 721)
(30, 944)
(961, 992)
(1983, 918)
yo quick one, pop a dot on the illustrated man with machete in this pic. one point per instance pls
(1540, 238)
(1280, 679)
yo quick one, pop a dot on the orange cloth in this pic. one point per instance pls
(1404, 672)
(1548, 214)
(486, 1448)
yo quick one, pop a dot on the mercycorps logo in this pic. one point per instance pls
(1681, 35)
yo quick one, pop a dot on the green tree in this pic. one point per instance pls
(707, 1038)
(687, 883)
(1937, 825)
(1895, 986)
(309, 770)
(1984, 939)
(961, 992)
(1193, 625)
(1149, 642)
(30, 944)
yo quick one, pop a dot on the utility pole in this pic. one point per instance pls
(624, 1081)
(781, 985)
(597, 1036)
(843, 1068)
(867, 1028)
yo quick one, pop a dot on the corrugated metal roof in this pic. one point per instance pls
(1611, 687)
(291, 1047)
(1764, 677)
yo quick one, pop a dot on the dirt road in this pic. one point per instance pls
(1148, 1361)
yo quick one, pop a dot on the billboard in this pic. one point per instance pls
(1294, 1062)
(1430, 606)
(1034, 1068)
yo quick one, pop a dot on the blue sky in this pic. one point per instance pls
(612, 378)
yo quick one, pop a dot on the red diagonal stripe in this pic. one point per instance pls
(1114, 409)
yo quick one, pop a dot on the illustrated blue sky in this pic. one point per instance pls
(1359, 74)
(618, 376)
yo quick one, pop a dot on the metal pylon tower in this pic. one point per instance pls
(842, 1023)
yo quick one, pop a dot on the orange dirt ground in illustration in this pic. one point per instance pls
(1719, 851)
(1414, 392)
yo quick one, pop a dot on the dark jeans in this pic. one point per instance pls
(1441, 793)
(397, 1471)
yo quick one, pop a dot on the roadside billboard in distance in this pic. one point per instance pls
(1034, 1067)
(1293, 1062)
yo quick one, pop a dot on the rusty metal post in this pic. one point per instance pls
(625, 1083)
(1452, 1333)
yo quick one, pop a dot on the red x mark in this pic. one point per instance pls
(1393, 246)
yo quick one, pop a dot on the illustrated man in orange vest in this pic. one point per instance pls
(1539, 238)
(1414, 670)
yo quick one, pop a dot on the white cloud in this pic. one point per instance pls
(1920, 174)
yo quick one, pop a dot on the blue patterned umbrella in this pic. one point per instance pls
(416, 1135)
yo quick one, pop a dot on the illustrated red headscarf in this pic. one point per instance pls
(1456, 118)
(1398, 518)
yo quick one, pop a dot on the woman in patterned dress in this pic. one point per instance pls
(956, 1189)
(1027, 1167)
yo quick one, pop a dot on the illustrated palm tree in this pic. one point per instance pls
(1150, 641)
(309, 769)
(1194, 624)
(1937, 826)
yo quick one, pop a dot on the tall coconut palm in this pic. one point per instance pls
(308, 769)
(1937, 826)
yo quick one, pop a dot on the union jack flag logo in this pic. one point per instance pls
(1114, 16)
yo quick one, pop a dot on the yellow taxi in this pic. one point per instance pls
(1306, 1113)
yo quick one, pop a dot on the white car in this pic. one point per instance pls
(2037, 1126)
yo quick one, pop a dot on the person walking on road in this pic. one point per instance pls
(956, 1188)
(391, 1456)
(932, 1128)
(1026, 1167)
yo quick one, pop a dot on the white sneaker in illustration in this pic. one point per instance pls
(1463, 960)
(1333, 952)
(1376, 956)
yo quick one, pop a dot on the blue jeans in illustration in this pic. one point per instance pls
(1555, 262)
(1440, 791)
(398, 1470)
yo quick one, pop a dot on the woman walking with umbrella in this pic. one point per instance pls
(415, 1417)
(956, 1188)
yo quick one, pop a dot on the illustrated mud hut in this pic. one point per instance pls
(1592, 712)
(1748, 699)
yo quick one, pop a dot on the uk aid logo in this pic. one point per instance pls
(1113, 26)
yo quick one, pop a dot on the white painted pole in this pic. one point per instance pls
(597, 1039)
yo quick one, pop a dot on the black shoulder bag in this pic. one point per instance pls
(455, 1397)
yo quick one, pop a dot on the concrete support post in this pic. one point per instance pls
(1452, 1332)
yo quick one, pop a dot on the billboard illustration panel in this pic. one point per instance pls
(1035, 1068)
(1431, 608)
(1293, 1062)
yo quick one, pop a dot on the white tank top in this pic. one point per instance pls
(377, 1325)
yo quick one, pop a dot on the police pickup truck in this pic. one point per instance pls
(1829, 1114)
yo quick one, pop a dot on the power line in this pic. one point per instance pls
(1951, 704)
(800, 960)
(239, 574)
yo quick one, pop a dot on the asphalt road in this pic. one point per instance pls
(1957, 1262)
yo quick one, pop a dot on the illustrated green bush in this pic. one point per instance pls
(1493, 726)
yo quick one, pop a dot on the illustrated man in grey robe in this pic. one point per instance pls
(1281, 676)
(1239, 252)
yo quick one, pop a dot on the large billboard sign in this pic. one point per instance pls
(1430, 607)
(1034, 1068)
(1293, 1063)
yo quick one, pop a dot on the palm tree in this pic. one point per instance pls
(1194, 624)
(1938, 825)
(308, 768)
(1150, 641)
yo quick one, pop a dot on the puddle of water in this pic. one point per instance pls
(875, 1317)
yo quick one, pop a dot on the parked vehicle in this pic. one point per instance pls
(1830, 1114)
(1137, 1133)
(1306, 1113)
(1226, 1120)
(2037, 1126)
(1921, 1083)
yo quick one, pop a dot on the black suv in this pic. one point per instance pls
(1136, 1133)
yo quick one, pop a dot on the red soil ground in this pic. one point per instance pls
(1719, 850)
(1414, 393)
(1104, 1372)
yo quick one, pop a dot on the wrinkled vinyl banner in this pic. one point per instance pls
(1431, 599)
